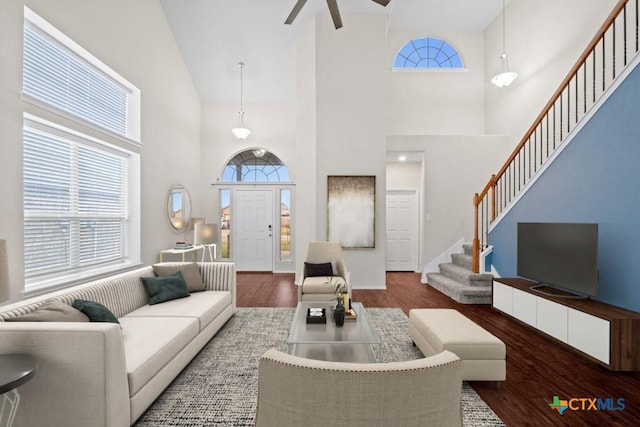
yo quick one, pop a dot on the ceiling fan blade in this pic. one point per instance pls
(335, 13)
(294, 12)
(382, 2)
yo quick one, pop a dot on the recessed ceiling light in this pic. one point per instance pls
(402, 158)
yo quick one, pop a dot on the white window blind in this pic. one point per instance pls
(61, 76)
(75, 203)
(56, 76)
(81, 194)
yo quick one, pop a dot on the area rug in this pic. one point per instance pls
(219, 387)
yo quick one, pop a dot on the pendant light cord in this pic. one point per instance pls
(241, 65)
(504, 27)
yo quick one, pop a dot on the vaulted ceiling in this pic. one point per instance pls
(214, 35)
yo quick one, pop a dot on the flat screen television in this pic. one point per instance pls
(559, 255)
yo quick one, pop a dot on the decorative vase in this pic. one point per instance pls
(338, 314)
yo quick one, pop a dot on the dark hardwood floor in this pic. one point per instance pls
(537, 367)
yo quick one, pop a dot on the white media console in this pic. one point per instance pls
(604, 333)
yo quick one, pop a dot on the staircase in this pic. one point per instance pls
(459, 282)
(610, 56)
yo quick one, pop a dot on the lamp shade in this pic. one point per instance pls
(195, 221)
(205, 234)
(504, 79)
(241, 132)
(4, 272)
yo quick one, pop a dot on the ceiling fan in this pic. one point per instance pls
(333, 9)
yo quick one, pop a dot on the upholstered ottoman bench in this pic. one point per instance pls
(483, 354)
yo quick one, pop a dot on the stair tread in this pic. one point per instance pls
(462, 260)
(463, 272)
(462, 256)
(466, 289)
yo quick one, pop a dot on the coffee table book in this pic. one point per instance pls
(350, 315)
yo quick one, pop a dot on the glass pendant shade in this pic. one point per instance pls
(241, 131)
(505, 77)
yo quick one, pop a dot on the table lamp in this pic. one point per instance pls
(207, 236)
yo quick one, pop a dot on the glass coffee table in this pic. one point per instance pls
(356, 341)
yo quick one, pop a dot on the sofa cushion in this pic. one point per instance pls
(206, 306)
(52, 311)
(151, 342)
(190, 273)
(95, 311)
(321, 285)
(165, 288)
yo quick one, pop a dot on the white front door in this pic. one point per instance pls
(254, 230)
(402, 230)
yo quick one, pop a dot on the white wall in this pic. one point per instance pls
(404, 175)
(544, 40)
(306, 211)
(348, 102)
(352, 116)
(134, 39)
(438, 101)
(272, 127)
(455, 167)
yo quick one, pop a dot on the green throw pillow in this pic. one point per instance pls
(190, 274)
(165, 288)
(95, 311)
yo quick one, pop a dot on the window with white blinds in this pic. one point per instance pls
(81, 194)
(75, 202)
(63, 76)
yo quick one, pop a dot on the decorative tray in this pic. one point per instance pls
(316, 315)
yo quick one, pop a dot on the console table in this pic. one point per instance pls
(209, 249)
(182, 252)
(15, 370)
(603, 333)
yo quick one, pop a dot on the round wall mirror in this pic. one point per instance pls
(179, 207)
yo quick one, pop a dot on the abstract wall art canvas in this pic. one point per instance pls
(351, 210)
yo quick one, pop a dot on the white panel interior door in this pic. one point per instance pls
(402, 230)
(254, 230)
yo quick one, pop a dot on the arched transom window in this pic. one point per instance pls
(428, 52)
(255, 165)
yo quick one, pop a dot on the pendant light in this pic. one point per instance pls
(505, 77)
(241, 131)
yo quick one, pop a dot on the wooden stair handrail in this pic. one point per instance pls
(579, 63)
(493, 181)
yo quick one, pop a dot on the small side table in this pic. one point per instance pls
(182, 252)
(15, 370)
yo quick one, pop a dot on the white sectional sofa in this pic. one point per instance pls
(95, 374)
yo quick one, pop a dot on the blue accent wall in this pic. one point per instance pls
(596, 179)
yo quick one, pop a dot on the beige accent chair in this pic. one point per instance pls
(294, 391)
(322, 288)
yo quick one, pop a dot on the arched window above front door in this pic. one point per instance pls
(255, 165)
